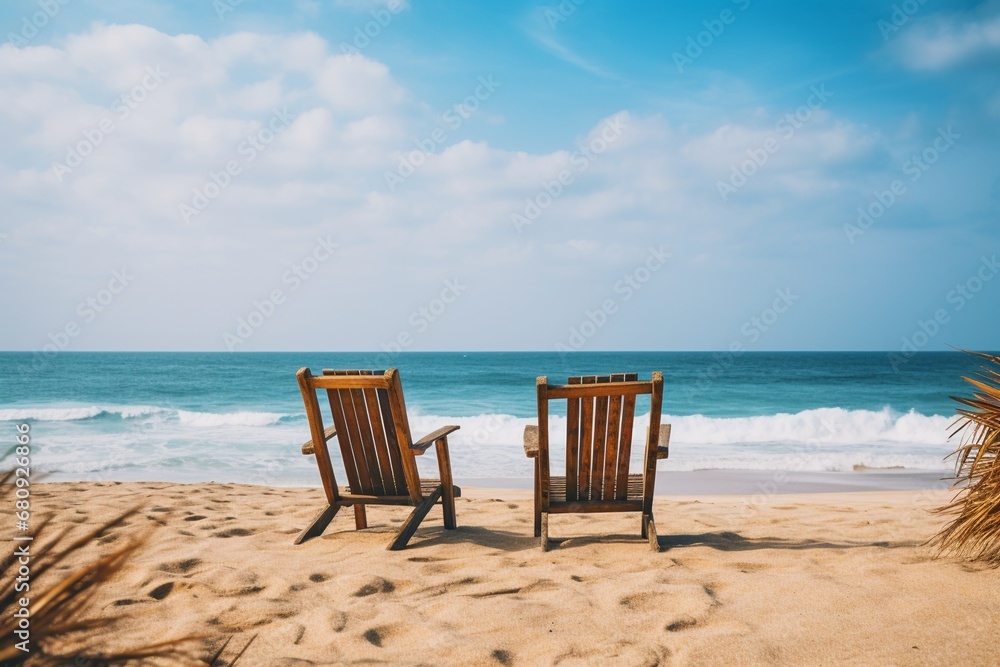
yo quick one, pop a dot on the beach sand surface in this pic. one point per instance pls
(787, 580)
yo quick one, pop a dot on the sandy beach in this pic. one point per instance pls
(838, 578)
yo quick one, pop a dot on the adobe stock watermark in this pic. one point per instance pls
(901, 14)
(915, 168)
(88, 310)
(580, 160)
(626, 287)
(246, 152)
(558, 13)
(453, 118)
(294, 277)
(122, 107)
(223, 7)
(420, 321)
(33, 23)
(699, 42)
(363, 35)
(787, 126)
(957, 298)
(751, 331)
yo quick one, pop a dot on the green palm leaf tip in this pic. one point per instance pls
(974, 531)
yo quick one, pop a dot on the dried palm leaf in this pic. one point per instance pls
(974, 532)
(63, 627)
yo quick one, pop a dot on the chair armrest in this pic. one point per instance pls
(424, 443)
(531, 441)
(309, 448)
(663, 443)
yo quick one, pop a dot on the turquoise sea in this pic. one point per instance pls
(238, 417)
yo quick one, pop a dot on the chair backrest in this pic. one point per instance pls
(600, 414)
(369, 414)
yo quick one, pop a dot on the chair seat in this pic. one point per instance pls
(427, 487)
(557, 493)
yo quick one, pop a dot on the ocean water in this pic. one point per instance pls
(238, 417)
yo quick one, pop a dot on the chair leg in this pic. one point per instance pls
(654, 542)
(642, 526)
(448, 504)
(538, 502)
(545, 531)
(447, 485)
(360, 517)
(412, 521)
(318, 524)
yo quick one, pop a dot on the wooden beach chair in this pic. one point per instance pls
(600, 414)
(369, 422)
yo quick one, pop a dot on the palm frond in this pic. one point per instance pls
(63, 627)
(974, 530)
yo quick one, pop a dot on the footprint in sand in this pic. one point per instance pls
(378, 636)
(162, 591)
(195, 517)
(503, 657)
(338, 621)
(181, 566)
(682, 623)
(373, 637)
(376, 585)
(234, 532)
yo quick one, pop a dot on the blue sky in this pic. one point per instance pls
(592, 175)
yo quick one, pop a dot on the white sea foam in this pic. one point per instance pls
(824, 425)
(167, 444)
(242, 418)
(76, 413)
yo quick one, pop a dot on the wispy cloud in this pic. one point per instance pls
(537, 27)
(946, 41)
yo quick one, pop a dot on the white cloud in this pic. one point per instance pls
(324, 174)
(945, 41)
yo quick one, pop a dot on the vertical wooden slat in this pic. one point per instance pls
(600, 433)
(572, 445)
(586, 439)
(354, 436)
(625, 441)
(395, 458)
(611, 455)
(381, 444)
(367, 441)
(344, 439)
